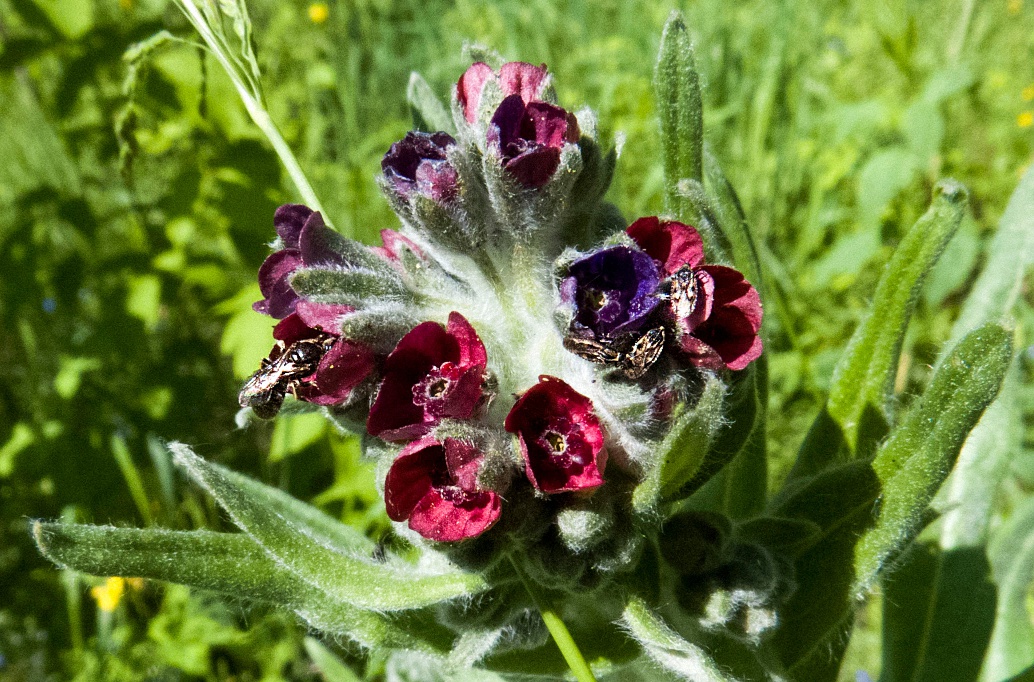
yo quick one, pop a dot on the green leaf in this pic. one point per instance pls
(684, 448)
(344, 575)
(1012, 559)
(937, 615)
(841, 502)
(352, 286)
(228, 563)
(717, 486)
(294, 433)
(733, 221)
(856, 415)
(429, 114)
(329, 665)
(667, 648)
(922, 450)
(680, 110)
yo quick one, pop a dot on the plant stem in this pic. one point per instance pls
(558, 630)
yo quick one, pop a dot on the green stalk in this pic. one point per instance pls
(133, 479)
(251, 96)
(558, 630)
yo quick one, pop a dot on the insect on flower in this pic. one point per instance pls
(634, 362)
(281, 372)
(682, 292)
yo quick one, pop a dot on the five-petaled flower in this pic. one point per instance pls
(434, 486)
(434, 373)
(613, 291)
(418, 164)
(561, 438)
(716, 312)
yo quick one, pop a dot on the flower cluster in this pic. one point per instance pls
(474, 349)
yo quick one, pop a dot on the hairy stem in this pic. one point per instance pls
(558, 630)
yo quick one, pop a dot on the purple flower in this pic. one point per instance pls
(434, 485)
(614, 291)
(307, 242)
(528, 138)
(716, 312)
(514, 78)
(435, 372)
(419, 164)
(560, 436)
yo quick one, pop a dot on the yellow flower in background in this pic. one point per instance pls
(318, 12)
(109, 594)
(1015, 7)
(1027, 93)
(1026, 119)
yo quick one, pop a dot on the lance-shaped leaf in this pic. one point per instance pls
(733, 221)
(429, 114)
(348, 286)
(718, 490)
(666, 648)
(922, 450)
(684, 448)
(1012, 559)
(840, 501)
(680, 110)
(228, 563)
(361, 581)
(929, 632)
(856, 415)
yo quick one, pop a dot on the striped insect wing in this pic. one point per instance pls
(644, 353)
(592, 350)
(682, 296)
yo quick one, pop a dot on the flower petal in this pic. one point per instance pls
(672, 243)
(524, 79)
(410, 477)
(465, 516)
(469, 87)
(288, 221)
(273, 276)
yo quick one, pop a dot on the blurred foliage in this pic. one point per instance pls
(136, 200)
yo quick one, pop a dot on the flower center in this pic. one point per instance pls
(596, 299)
(556, 441)
(433, 391)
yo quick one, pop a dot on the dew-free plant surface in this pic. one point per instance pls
(576, 432)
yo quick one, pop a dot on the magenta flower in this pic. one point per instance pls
(528, 138)
(306, 240)
(514, 78)
(715, 310)
(434, 485)
(561, 438)
(341, 369)
(434, 373)
(418, 164)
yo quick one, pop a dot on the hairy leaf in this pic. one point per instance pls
(429, 114)
(349, 286)
(921, 451)
(1012, 559)
(362, 581)
(679, 107)
(929, 632)
(667, 648)
(229, 563)
(856, 415)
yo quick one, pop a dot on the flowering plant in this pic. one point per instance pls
(568, 414)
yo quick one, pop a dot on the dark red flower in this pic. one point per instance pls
(434, 485)
(560, 436)
(529, 136)
(343, 367)
(514, 78)
(307, 242)
(419, 164)
(434, 373)
(715, 310)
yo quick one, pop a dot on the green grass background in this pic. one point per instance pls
(136, 202)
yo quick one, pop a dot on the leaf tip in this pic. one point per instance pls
(951, 190)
